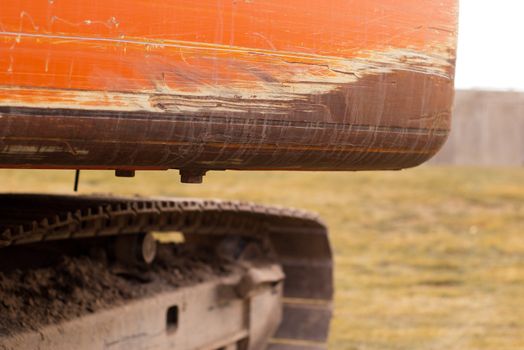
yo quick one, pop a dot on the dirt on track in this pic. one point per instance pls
(78, 285)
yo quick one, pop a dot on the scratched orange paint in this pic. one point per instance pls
(110, 44)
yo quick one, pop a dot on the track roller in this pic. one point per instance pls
(137, 249)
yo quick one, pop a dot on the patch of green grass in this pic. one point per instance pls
(430, 258)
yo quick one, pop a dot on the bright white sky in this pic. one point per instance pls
(491, 45)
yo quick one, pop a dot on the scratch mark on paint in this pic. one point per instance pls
(270, 44)
(10, 66)
(46, 68)
(23, 15)
(35, 150)
(111, 23)
(152, 44)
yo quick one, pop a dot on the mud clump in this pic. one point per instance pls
(78, 285)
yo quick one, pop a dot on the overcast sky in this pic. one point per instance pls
(491, 45)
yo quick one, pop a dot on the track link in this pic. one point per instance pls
(298, 238)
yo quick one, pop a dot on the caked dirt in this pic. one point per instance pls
(79, 285)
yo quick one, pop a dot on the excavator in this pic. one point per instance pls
(200, 86)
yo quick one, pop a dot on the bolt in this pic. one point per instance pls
(124, 173)
(192, 176)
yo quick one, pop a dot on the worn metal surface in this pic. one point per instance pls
(299, 240)
(141, 324)
(203, 85)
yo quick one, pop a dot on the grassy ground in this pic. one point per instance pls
(431, 258)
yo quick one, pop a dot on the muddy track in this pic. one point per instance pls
(297, 239)
(76, 285)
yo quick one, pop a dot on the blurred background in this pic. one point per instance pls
(427, 258)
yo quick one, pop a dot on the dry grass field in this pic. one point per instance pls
(431, 258)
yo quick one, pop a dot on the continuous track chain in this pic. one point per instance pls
(29, 218)
(299, 239)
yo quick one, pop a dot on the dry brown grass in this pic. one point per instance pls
(431, 258)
